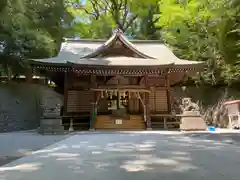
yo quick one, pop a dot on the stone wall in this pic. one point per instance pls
(20, 105)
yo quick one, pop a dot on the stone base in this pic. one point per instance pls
(50, 131)
(51, 126)
(92, 130)
(191, 121)
(149, 129)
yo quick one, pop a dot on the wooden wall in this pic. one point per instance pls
(79, 97)
(158, 100)
(79, 101)
(176, 77)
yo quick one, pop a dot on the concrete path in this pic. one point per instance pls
(18, 144)
(128, 156)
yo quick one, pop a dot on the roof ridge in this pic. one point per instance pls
(104, 40)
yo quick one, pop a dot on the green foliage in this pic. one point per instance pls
(96, 29)
(206, 30)
(97, 18)
(229, 32)
(30, 29)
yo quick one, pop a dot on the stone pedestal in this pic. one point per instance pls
(51, 126)
(191, 120)
(51, 121)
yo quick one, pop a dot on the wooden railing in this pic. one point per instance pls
(76, 122)
(165, 121)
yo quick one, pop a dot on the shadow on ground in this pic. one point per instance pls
(127, 156)
(233, 138)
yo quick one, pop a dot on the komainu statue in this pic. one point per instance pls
(188, 105)
(191, 118)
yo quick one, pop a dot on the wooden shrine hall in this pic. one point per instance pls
(115, 84)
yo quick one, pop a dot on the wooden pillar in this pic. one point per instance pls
(165, 122)
(147, 109)
(118, 100)
(71, 129)
(45, 81)
(29, 75)
(144, 108)
(167, 85)
(66, 82)
(94, 103)
(168, 90)
(93, 116)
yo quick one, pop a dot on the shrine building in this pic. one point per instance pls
(117, 84)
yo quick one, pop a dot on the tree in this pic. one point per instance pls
(229, 32)
(30, 29)
(147, 24)
(199, 30)
(99, 17)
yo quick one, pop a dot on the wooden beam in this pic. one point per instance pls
(109, 86)
(143, 101)
(121, 89)
(140, 98)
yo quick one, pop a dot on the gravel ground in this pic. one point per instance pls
(18, 144)
(129, 156)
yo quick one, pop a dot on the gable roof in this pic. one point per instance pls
(117, 37)
(148, 53)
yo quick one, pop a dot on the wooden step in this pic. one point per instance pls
(107, 122)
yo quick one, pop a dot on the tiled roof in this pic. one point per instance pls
(82, 52)
(122, 61)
